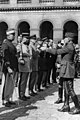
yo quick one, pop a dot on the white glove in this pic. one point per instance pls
(10, 70)
(43, 48)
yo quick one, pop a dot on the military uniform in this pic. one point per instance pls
(34, 65)
(67, 73)
(10, 62)
(24, 70)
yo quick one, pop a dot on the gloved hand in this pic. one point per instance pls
(10, 70)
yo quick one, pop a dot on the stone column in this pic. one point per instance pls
(34, 31)
(57, 34)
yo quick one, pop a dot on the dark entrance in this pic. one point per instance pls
(23, 27)
(46, 30)
(71, 26)
(3, 28)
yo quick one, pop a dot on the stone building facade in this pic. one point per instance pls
(45, 18)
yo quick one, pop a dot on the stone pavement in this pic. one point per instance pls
(40, 107)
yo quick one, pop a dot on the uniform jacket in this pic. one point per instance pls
(26, 56)
(67, 69)
(10, 56)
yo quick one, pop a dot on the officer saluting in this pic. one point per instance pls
(67, 72)
(10, 66)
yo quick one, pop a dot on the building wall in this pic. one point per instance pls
(57, 17)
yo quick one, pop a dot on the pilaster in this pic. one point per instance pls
(34, 31)
(57, 34)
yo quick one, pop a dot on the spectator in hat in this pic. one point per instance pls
(67, 73)
(10, 67)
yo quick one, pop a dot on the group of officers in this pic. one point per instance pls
(30, 63)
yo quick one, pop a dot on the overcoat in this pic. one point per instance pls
(9, 60)
(9, 56)
(26, 56)
(42, 61)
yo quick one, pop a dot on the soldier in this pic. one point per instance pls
(51, 65)
(42, 66)
(10, 67)
(24, 66)
(67, 73)
(34, 65)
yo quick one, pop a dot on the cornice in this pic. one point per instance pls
(41, 8)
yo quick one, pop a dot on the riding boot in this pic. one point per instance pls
(77, 106)
(65, 107)
(60, 93)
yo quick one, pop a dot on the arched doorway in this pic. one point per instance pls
(71, 26)
(23, 27)
(46, 30)
(3, 28)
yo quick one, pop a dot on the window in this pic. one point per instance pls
(71, 0)
(44, 1)
(23, 1)
(4, 1)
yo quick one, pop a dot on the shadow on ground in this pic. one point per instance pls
(22, 109)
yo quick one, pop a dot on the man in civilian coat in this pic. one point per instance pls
(67, 72)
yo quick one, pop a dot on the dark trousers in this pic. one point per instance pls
(49, 74)
(60, 88)
(45, 78)
(40, 75)
(32, 80)
(54, 74)
(23, 83)
(69, 91)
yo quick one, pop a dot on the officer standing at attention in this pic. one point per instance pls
(67, 72)
(24, 66)
(34, 65)
(10, 67)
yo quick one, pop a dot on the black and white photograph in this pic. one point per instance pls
(39, 59)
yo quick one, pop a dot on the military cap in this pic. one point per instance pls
(26, 35)
(10, 31)
(33, 37)
(70, 34)
(44, 39)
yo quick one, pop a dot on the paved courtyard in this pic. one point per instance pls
(40, 107)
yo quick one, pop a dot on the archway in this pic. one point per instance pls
(3, 28)
(46, 30)
(23, 27)
(71, 26)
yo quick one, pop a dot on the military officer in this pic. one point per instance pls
(67, 73)
(24, 66)
(10, 67)
(34, 65)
